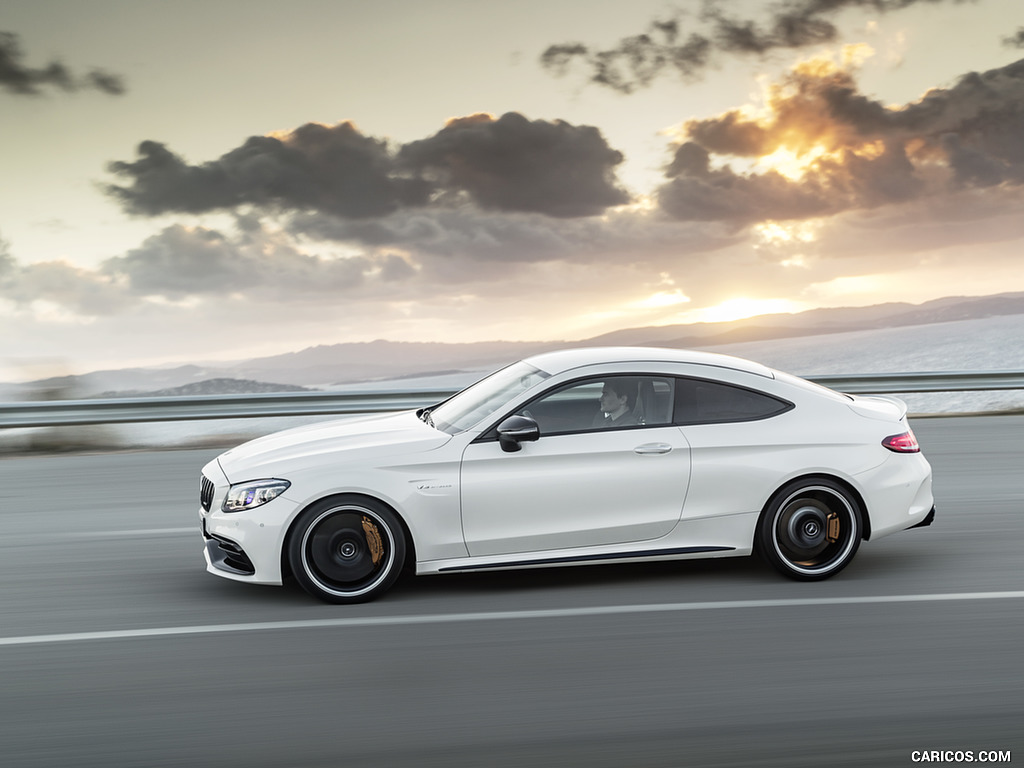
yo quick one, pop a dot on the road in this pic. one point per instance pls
(117, 649)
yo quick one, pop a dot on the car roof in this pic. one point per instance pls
(567, 359)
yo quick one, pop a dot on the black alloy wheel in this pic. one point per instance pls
(811, 529)
(346, 549)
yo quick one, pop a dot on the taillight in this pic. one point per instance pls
(905, 442)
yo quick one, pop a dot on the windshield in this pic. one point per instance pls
(480, 400)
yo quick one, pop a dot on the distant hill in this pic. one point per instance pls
(327, 366)
(818, 321)
(213, 387)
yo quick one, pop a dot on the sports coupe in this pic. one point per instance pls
(582, 456)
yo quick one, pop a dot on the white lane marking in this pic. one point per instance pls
(554, 613)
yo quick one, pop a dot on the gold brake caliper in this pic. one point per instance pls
(833, 528)
(373, 539)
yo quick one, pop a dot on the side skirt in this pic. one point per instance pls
(586, 558)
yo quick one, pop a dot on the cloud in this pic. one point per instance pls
(511, 199)
(194, 261)
(515, 164)
(698, 193)
(335, 169)
(20, 80)
(79, 292)
(198, 264)
(6, 259)
(638, 59)
(846, 150)
(510, 163)
(1015, 40)
(476, 239)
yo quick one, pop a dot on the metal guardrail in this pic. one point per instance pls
(942, 381)
(57, 413)
(63, 413)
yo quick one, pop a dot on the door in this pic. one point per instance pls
(591, 479)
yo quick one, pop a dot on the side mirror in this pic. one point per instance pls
(515, 430)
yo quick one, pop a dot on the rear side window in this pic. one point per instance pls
(698, 401)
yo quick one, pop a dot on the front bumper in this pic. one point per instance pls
(225, 555)
(242, 546)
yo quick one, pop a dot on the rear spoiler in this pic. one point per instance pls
(879, 407)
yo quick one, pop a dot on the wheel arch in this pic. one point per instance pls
(410, 544)
(843, 483)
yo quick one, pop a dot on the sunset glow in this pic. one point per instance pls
(740, 308)
(664, 299)
(607, 168)
(791, 164)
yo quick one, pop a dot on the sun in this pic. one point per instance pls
(740, 308)
(791, 164)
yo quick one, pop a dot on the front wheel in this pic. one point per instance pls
(346, 549)
(811, 529)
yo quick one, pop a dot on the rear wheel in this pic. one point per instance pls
(346, 549)
(811, 529)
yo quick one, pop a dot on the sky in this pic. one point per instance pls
(220, 180)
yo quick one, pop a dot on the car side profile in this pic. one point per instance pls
(581, 456)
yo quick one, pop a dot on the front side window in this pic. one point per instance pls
(698, 401)
(603, 402)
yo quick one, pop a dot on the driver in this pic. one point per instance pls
(616, 405)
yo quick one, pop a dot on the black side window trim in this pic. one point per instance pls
(491, 433)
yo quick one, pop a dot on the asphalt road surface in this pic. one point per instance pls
(117, 649)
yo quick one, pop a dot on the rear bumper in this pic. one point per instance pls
(929, 519)
(898, 494)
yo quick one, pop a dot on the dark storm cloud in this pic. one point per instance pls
(515, 164)
(21, 80)
(970, 135)
(511, 164)
(335, 169)
(638, 59)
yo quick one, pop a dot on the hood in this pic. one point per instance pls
(355, 439)
(879, 407)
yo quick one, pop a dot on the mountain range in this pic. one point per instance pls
(347, 364)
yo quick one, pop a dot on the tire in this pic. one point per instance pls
(811, 529)
(346, 549)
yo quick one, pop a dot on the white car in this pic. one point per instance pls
(581, 456)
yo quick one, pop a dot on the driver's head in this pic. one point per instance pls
(615, 395)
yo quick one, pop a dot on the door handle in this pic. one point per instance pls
(649, 449)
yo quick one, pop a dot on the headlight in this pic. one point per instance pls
(250, 495)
